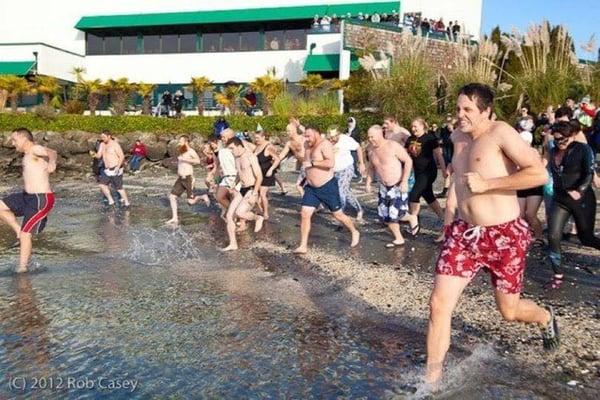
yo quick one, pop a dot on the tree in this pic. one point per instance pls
(47, 86)
(229, 96)
(337, 84)
(120, 91)
(15, 87)
(311, 84)
(94, 89)
(145, 90)
(199, 85)
(269, 87)
(77, 72)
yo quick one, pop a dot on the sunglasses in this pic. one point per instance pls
(561, 139)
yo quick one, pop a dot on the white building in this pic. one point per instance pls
(167, 42)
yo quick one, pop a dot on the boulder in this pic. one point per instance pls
(156, 151)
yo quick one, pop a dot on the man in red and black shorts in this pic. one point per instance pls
(37, 200)
(491, 162)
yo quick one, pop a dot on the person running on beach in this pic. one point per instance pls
(37, 200)
(343, 146)
(321, 187)
(225, 164)
(267, 157)
(186, 160)
(393, 131)
(425, 150)
(392, 165)
(295, 145)
(112, 156)
(250, 178)
(489, 233)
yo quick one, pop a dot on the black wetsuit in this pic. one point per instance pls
(266, 162)
(575, 172)
(421, 150)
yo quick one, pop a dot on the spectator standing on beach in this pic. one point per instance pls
(167, 102)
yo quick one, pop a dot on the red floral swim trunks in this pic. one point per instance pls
(502, 249)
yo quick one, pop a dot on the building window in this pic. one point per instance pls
(129, 44)
(94, 44)
(274, 40)
(230, 41)
(249, 41)
(295, 39)
(170, 43)
(211, 42)
(151, 44)
(112, 45)
(187, 43)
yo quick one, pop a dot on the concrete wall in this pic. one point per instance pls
(51, 61)
(440, 53)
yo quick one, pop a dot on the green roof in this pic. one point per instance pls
(20, 68)
(322, 63)
(232, 16)
(327, 63)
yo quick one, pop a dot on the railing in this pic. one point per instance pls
(395, 27)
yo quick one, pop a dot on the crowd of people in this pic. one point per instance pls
(426, 26)
(493, 181)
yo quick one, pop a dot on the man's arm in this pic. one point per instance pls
(48, 154)
(328, 160)
(99, 153)
(192, 157)
(282, 155)
(407, 162)
(271, 152)
(531, 170)
(120, 155)
(439, 159)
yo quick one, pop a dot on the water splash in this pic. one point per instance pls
(154, 247)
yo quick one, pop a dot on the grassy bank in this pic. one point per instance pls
(204, 125)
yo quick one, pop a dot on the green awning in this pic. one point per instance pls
(322, 63)
(19, 68)
(232, 16)
(327, 63)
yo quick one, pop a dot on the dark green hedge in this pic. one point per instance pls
(204, 125)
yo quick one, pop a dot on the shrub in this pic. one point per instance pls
(73, 107)
(45, 112)
(190, 125)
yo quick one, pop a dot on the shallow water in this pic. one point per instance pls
(117, 298)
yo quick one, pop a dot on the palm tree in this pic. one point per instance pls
(269, 87)
(119, 90)
(311, 84)
(145, 90)
(47, 86)
(337, 84)
(15, 87)
(199, 85)
(94, 90)
(78, 73)
(228, 97)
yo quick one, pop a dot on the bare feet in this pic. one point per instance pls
(206, 200)
(359, 217)
(241, 228)
(433, 375)
(355, 238)
(21, 269)
(172, 221)
(258, 224)
(301, 250)
(230, 248)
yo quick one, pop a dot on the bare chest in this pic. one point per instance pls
(482, 156)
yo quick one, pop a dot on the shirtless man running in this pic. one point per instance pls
(489, 168)
(393, 131)
(295, 145)
(392, 164)
(37, 200)
(186, 160)
(250, 177)
(111, 153)
(321, 187)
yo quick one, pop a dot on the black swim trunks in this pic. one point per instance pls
(112, 177)
(33, 207)
(245, 190)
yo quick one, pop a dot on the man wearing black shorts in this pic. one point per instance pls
(37, 200)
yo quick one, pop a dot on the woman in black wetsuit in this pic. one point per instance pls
(267, 155)
(425, 150)
(572, 168)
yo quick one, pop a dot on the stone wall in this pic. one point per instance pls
(440, 53)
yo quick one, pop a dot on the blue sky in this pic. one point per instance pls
(581, 17)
